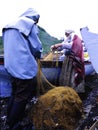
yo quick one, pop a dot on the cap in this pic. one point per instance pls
(69, 31)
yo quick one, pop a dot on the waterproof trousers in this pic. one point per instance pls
(22, 92)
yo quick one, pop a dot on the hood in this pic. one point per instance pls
(31, 13)
(24, 22)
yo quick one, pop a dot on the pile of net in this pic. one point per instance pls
(52, 56)
(60, 107)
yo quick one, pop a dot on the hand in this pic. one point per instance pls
(53, 47)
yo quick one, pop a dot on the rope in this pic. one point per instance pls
(40, 75)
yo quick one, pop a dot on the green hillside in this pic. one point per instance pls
(45, 38)
(1, 46)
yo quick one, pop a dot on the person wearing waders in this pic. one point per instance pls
(72, 73)
(22, 48)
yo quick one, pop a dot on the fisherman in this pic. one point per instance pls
(65, 46)
(22, 48)
(74, 59)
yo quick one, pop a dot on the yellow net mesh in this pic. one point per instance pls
(53, 56)
(49, 57)
(42, 82)
(59, 107)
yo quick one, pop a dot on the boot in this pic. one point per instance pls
(16, 114)
(17, 126)
(9, 105)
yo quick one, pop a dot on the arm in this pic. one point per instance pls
(56, 46)
(35, 44)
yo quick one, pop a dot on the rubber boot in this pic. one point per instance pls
(16, 114)
(9, 105)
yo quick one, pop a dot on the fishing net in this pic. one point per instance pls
(49, 57)
(68, 76)
(57, 107)
(54, 55)
(60, 107)
(68, 72)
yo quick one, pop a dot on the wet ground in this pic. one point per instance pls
(90, 105)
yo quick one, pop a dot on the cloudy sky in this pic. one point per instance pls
(55, 15)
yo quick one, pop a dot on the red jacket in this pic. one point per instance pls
(77, 47)
(78, 61)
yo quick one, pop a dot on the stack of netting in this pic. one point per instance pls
(49, 57)
(59, 108)
(53, 56)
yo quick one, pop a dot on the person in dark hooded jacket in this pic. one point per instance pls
(22, 47)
